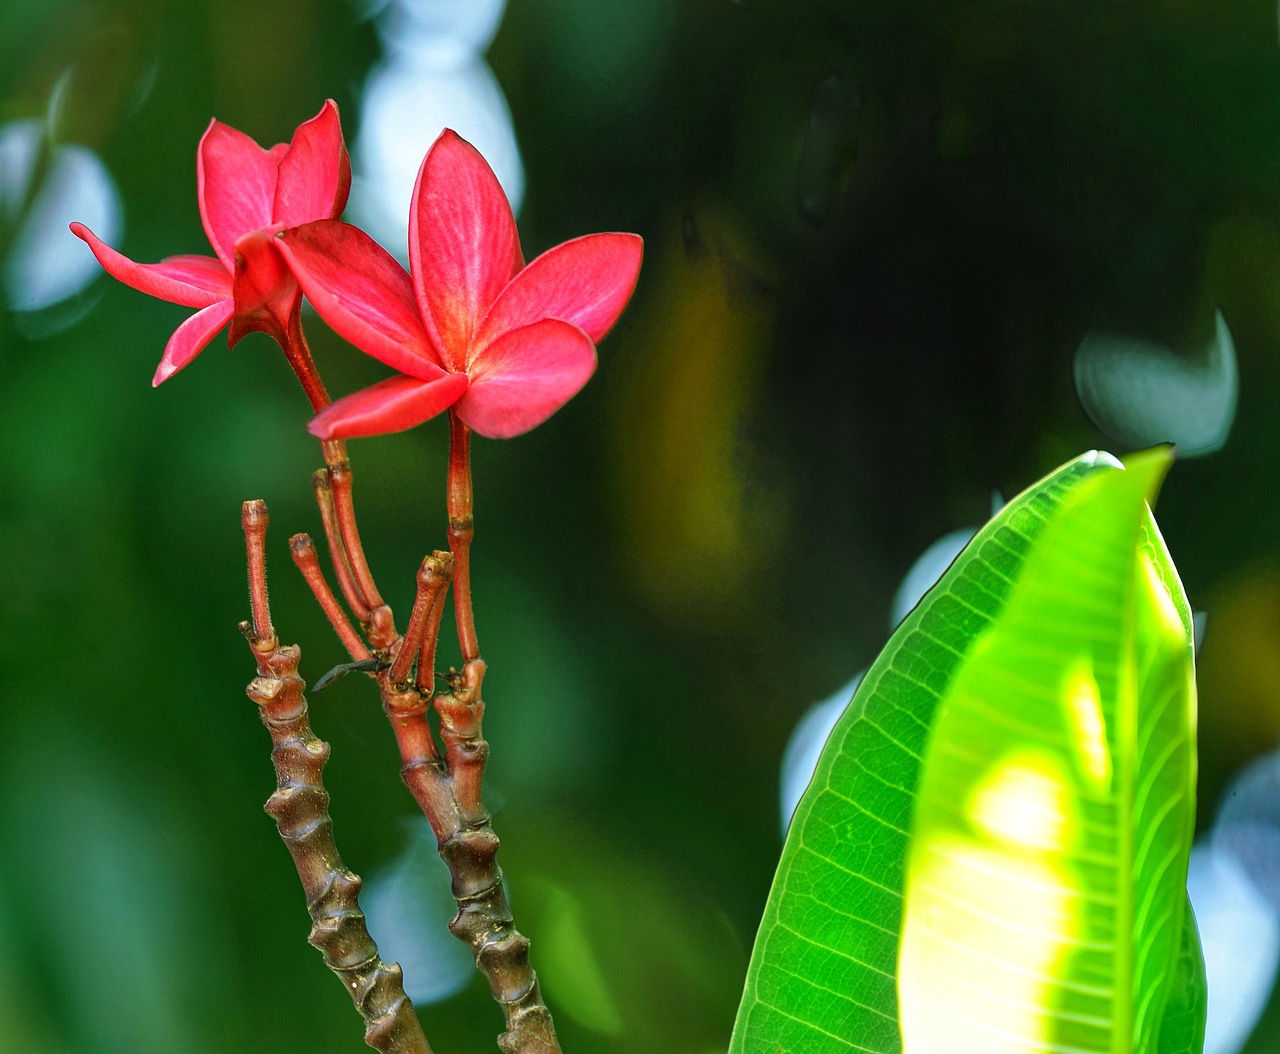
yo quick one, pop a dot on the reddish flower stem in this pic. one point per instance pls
(303, 551)
(425, 680)
(424, 620)
(461, 531)
(293, 343)
(464, 834)
(337, 550)
(420, 764)
(336, 508)
(461, 711)
(333, 487)
(253, 517)
(406, 707)
(300, 807)
(447, 788)
(340, 480)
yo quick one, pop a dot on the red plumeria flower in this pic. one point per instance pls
(470, 327)
(247, 195)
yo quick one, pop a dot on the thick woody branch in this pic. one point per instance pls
(447, 787)
(448, 790)
(300, 807)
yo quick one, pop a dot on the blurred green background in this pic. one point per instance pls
(875, 235)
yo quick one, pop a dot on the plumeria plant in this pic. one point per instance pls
(471, 330)
(992, 854)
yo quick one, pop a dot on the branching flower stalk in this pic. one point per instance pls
(333, 486)
(447, 786)
(333, 492)
(471, 329)
(300, 807)
(468, 844)
(448, 789)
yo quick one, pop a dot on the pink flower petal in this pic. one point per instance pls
(264, 290)
(389, 406)
(526, 375)
(236, 185)
(190, 338)
(362, 293)
(193, 281)
(586, 281)
(315, 172)
(463, 245)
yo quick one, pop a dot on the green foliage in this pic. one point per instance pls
(1182, 1028)
(994, 846)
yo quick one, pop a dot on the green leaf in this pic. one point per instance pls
(1052, 584)
(822, 972)
(1182, 1028)
(1046, 877)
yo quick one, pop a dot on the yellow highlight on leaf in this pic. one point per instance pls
(1023, 803)
(1088, 729)
(979, 961)
(996, 910)
(1158, 595)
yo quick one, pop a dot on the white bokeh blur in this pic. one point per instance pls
(805, 747)
(1141, 393)
(1240, 934)
(926, 571)
(409, 906)
(43, 188)
(1236, 895)
(433, 76)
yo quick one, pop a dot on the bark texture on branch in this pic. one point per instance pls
(300, 807)
(448, 791)
(445, 783)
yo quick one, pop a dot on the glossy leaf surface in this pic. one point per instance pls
(1027, 732)
(1183, 1026)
